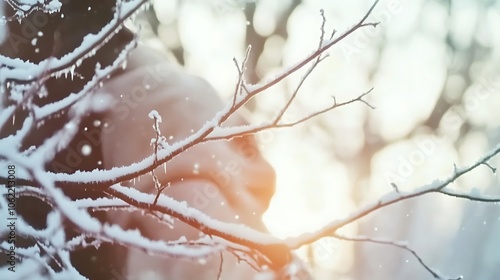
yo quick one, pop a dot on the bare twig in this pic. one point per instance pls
(401, 245)
(240, 84)
(469, 196)
(228, 133)
(395, 187)
(493, 169)
(219, 273)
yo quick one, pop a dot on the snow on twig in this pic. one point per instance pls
(15, 69)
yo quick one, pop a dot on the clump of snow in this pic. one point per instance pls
(53, 6)
(155, 115)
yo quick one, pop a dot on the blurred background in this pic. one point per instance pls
(434, 66)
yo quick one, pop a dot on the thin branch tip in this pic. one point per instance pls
(334, 100)
(493, 169)
(360, 98)
(368, 104)
(395, 187)
(398, 245)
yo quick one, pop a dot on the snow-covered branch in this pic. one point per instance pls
(395, 196)
(22, 79)
(25, 7)
(274, 253)
(18, 71)
(101, 179)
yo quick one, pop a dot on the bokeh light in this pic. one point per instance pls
(434, 68)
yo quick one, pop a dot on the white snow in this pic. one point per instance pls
(16, 69)
(135, 239)
(68, 208)
(182, 209)
(155, 115)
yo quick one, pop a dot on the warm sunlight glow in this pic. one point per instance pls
(311, 189)
(325, 168)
